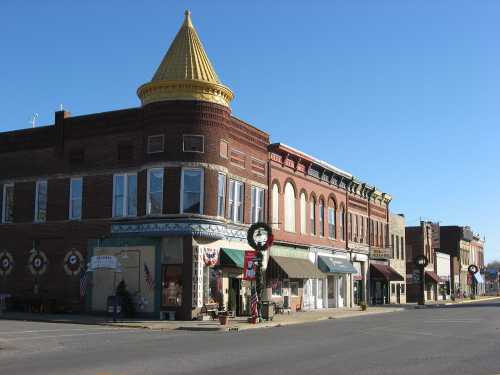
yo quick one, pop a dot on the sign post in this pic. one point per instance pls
(421, 262)
(260, 238)
(472, 271)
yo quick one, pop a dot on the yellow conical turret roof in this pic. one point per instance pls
(185, 73)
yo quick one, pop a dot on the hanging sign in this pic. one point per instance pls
(249, 265)
(104, 261)
(210, 256)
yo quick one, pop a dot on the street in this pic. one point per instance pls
(460, 339)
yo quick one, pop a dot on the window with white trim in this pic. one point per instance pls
(275, 203)
(342, 223)
(221, 195)
(303, 213)
(156, 143)
(289, 207)
(125, 195)
(257, 214)
(236, 196)
(192, 191)
(312, 216)
(332, 225)
(193, 143)
(8, 203)
(41, 201)
(75, 198)
(154, 202)
(321, 218)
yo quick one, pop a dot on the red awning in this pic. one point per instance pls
(385, 272)
(432, 276)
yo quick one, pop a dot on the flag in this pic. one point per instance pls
(84, 276)
(147, 277)
(254, 299)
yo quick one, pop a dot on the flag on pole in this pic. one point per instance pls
(84, 276)
(148, 278)
(253, 302)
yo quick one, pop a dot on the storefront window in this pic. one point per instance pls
(276, 287)
(172, 285)
(212, 291)
(294, 288)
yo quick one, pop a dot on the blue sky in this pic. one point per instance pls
(403, 94)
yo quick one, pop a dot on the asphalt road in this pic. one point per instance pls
(455, 340)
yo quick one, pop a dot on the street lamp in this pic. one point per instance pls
(472, 271)
(421, 262)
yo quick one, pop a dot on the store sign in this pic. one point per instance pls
(197, 290)
(249, 266)
(380, 253)
(104, 262)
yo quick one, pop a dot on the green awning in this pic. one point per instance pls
(335, 265)
(231, 257)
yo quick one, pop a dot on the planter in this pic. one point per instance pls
(223, 319)
(253, 319)
(363, 307)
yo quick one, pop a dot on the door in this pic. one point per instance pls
(308, 294)
(319, 294)
(331, 291)
(398, 293)
(340, 291)
(234, 298)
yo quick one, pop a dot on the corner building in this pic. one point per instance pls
(167, 188)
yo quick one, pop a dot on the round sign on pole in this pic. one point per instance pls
(472, 268)
(421, 261)
(260, 236)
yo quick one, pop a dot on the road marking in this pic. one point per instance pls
(59, 330)
(70, 335)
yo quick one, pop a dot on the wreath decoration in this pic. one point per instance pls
(73, 262)
(6, 263)
(37, 262)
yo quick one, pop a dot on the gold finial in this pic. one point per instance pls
(187, 21)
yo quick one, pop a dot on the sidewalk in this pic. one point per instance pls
(238, 324)
(435, 304)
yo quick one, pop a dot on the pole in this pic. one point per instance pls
(421, 300)
(114, 298)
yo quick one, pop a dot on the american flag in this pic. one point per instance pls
(84, 277)
(254, 300)
(147, 276)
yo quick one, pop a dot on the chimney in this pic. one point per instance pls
(59, 133)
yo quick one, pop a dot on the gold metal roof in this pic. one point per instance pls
(185, 72)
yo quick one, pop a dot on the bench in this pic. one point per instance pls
(210, 309)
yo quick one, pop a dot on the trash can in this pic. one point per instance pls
(267, 310)
(111, 305)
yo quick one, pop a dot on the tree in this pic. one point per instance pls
(494, 264)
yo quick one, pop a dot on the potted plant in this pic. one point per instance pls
(223, 318)
(363, 306)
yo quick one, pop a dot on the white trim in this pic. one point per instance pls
(37, 187)
(148, 192)
(71, 198)
(254, 204)
(162, 143)
(125, 198)
(236, 195)
(194, 135)
(223, 196)
(202, 189)
(4, 199)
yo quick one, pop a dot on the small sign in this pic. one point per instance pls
(249, 265)
(104, 261)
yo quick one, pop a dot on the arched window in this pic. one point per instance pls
(332, 222)
(289, 207)
(321, 218)
(303, 213)
(275, 203)
(312, 216)
(342, 223)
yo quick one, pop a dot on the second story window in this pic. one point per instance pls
(236, 195)
(193, 143)
(275, 205)
(41, 201)
(303, 213)
(221, 195)
(321, 218)
(342, 223)
(75, 198)
(156, 144)
(257, 205)
(8, 203)
(155, 191)
(402, 248)
(312, 216)
(332, 225)
(125, 195)
(289, 207)
(192, 191)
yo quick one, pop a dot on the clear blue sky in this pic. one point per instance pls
(403, 94)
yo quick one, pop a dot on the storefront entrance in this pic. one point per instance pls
(234, 302)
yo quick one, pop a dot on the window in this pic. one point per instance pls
(156, 143)
(125, 195)
(193, 143)
(41, 201)
(224, 149)
(154, 202)
(402, 288)
(362, 230)
(275, 203)
(321, 218)
(276, 288)
(402, 248)
(192, 191)
(350, 227)
(289, 207)
(397, 247)
(294, 288)
(257, 214)
(236, 195)
(312, 216)
(392, 245)
(332, 230)
(221, 195)
(8, 203)
(75, 198)
(393, 288)
(356, 227)
(303, 213)
(342, 224)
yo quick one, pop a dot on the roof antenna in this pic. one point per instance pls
(61, 107)
(33, 120)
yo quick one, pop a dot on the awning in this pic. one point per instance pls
(335, 265)
(296, 268)
(385, 272)
(479, 278)
(432, 276)
(231, 257)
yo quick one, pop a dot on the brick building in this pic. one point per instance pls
(160, 187)
(398, 259)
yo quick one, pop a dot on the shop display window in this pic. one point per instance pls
(172, 285)
(294, 288)
(276, 287)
